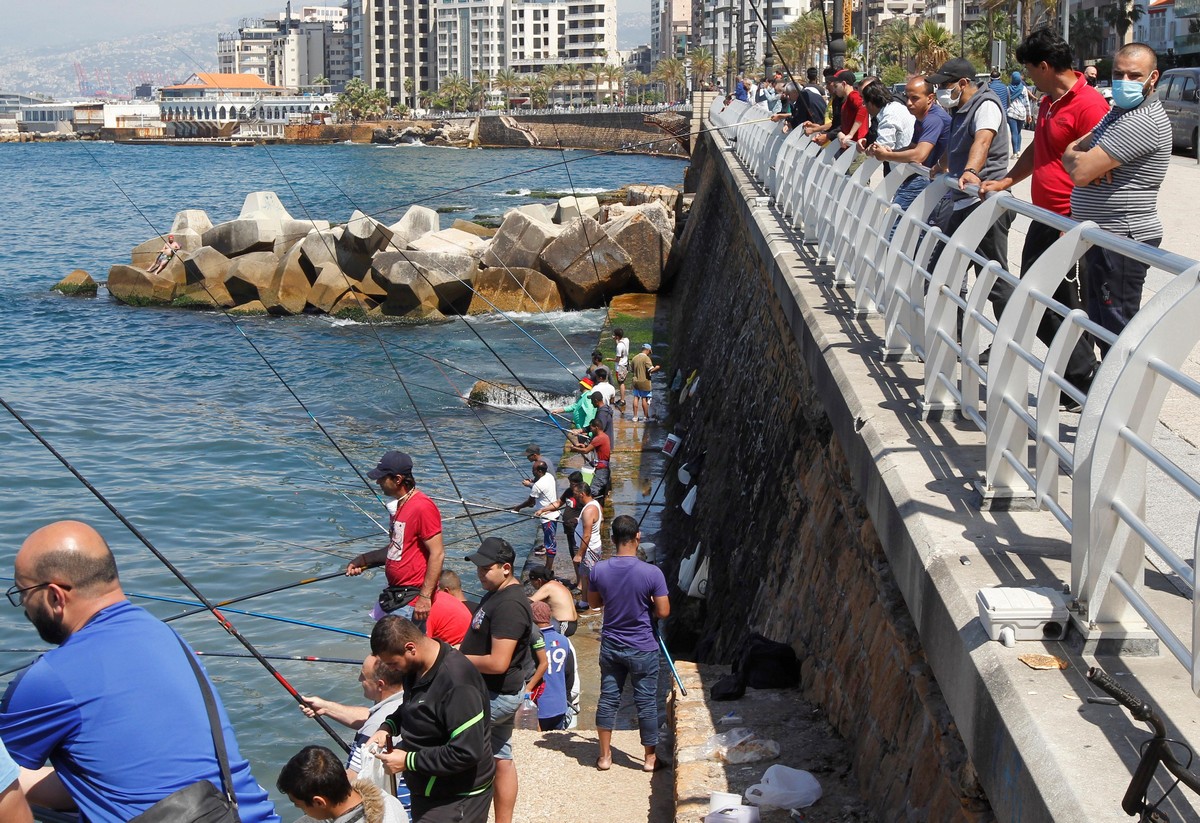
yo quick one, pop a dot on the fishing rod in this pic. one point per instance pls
(501, 527)
(264, 615)
(225, 623)
(305, 658)
(290, 544)
(486, 427)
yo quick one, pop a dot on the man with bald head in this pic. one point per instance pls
(116, 709)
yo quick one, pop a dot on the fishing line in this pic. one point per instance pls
(370, 486)
(303, 658)
(264, 615)
(767, 31)
(208, 605)
(486, 427)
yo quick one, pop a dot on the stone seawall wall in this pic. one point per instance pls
(600, 131)
(792, 552)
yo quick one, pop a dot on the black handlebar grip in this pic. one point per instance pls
(1135, 705)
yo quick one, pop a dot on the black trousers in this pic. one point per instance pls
(461, 810)
(993, 246)
(1070, 292)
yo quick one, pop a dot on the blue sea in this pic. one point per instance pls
(187, 430)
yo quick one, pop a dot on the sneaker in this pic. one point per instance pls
(580, 606)
(1069, 405)
(637, 420)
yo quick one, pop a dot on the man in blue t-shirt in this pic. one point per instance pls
(633, 594)
(116, 709)
(931, 135)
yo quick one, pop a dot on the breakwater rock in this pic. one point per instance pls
(573, 254)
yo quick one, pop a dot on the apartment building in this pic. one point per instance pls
(391, 48)
(471, 38)
(293, 51)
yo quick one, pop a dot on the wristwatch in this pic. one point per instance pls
(972, 171)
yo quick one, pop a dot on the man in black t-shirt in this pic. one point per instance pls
(500, 644)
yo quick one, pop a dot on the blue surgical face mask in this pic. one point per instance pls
(1128, 94)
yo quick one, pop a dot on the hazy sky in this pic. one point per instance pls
(44, 22)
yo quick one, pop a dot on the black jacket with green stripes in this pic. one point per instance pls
(445, 725)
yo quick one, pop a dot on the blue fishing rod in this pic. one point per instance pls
(264, 615)
(204, 601)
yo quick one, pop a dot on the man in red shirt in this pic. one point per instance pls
(854, 117)
(412, 560)
(601, 446)
(1069, 110)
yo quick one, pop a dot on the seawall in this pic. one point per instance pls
(835, 518)
(601, 131)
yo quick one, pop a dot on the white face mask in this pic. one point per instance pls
(945, 100)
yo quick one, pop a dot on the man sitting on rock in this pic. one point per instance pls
(164, 255)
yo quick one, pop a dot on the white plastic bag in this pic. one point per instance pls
(739, 745)
(783, 787)
(372, 769)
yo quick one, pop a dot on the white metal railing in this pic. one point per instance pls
(884, 253)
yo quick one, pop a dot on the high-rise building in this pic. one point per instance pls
(656, 12)
(390, 46)
(471, 38)
(294, 51)
(675, 29)
(721, 25)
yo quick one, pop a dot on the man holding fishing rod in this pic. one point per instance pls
(412, 560)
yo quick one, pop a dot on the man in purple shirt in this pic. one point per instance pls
(633, 593)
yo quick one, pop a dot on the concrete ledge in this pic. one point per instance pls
(1041, 751)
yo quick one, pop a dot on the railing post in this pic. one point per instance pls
(901, 285)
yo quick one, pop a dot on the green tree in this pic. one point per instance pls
(890, 43)
(931, 44)
(1121, 16)
(509, 82)
(1087, 34)
(453, 91)
(702, 66)
(613, 77)
(671, 73)
(360, 102)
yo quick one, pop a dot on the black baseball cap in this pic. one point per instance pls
(540, 572)
(954, 69)
(846, 76)
(391, 463)
(491, 551)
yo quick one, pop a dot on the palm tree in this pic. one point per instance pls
(890, 42)
(1086, 35)
(702, 65)
(853, 49)
(539, 93)
(510, 83)
(931, 45)
(613, 75)
(671, 73)
(1121, 16)
(454, 90)
(581, 74)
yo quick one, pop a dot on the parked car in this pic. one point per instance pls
(1179, 90)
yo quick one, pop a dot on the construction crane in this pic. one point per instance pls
(86, 89)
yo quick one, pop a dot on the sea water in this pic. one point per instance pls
(188, 431)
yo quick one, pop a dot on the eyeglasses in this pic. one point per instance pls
(16, 594)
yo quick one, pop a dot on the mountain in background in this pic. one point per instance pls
(113, 65)
(162, 57)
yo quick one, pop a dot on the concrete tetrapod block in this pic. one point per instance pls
(408, 291)
(586, 263)
(535, 210)
(655, 212)
(241, 237)
(191, 219)
(132, 285)
(263, 205)
(519, 241)
(319, 246)
(365, 235)
(416, 222)
(287, 293)
(647, 249)
(352, 304)
(146, 252)
(204, 278)
(250, 275)
(77, 282)
(567, 211)
(473, 228)
(589, 205)
(329, 287)
(451, 241)
(293, 231)
(452, 277)
(514, 289)
(645, 193)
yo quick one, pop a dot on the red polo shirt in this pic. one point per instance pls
(855, 117)
(1060, 123)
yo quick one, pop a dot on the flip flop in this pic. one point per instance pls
(604, 763)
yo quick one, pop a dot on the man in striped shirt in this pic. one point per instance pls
(1118, 169)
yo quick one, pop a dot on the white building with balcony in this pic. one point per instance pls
(470, 38)
(390, 46)
(1157, 27)
(293, 51)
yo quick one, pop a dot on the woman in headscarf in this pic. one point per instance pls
(1019, 110)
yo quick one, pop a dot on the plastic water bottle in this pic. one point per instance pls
(527, 714)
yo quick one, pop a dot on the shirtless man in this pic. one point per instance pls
(164, 255)
(556, 596)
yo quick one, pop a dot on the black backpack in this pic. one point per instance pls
(762, 664)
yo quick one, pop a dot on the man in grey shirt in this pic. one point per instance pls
(1118, 169)
(383, 686)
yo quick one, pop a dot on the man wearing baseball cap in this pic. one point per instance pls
(412, 559)
(853, 119)
(500, 644)
(978, 150)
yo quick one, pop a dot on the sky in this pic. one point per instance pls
(49, 22)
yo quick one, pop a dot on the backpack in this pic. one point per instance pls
(762, 664)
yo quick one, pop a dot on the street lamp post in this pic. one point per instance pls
(837, 38)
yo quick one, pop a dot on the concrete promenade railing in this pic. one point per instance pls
(884, 253)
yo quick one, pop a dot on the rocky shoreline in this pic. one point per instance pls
(572, 254)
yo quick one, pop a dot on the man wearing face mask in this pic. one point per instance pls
(978, 150)
(1118, 169)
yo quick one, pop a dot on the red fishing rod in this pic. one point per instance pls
(208, 604)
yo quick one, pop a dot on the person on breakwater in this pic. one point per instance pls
(604, 414)
(569, 505)
(317, 785)
(597, 363)
(601, 446)
(558, 697)
(500, 644)
(582, 411)
(117, 709)
(412, 559)
(587, 539)
(383, 686)
(555, 595)
(542, 495)
(446, 756)
(642, 367)
(533, 453)
(634, 594)
(451, 584)
(606, 388)
(169, 250)
(621, 362)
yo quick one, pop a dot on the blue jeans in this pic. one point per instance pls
(618, 662)
(907, 193)
(1014, 130)
(1114, 286)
